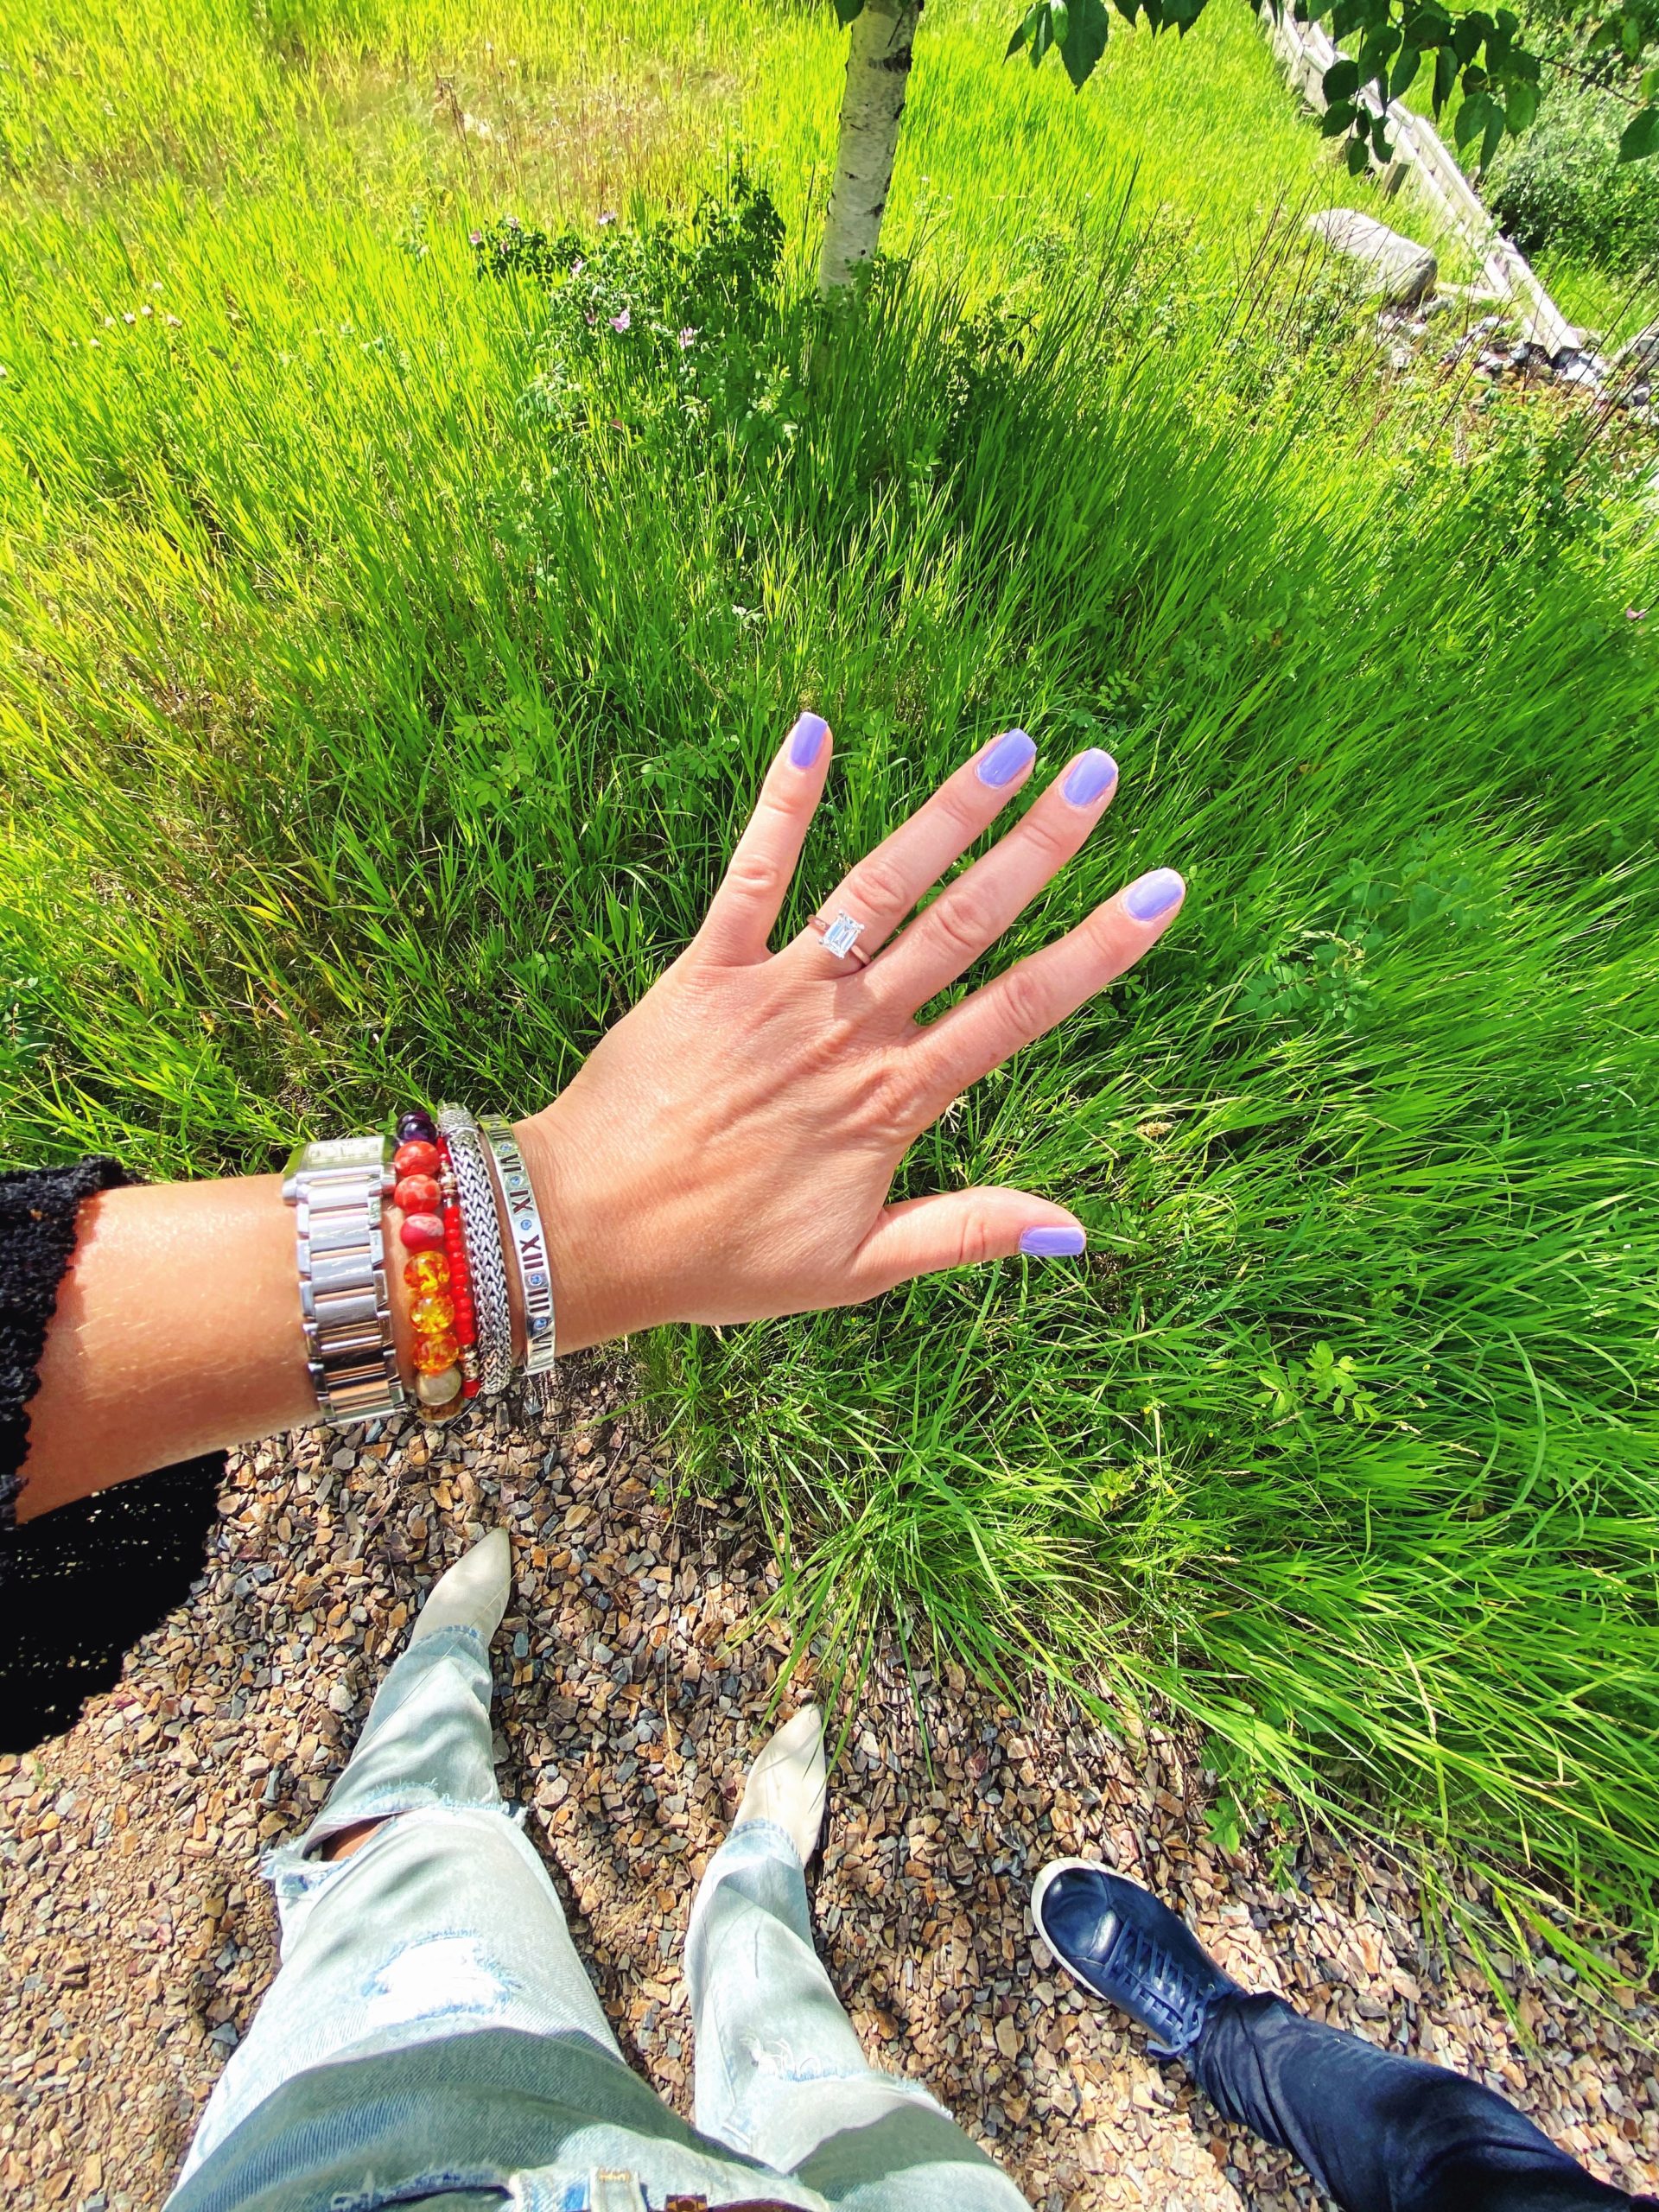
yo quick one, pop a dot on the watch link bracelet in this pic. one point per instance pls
(337, 1190)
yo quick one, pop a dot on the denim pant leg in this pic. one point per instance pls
(1378, 2131)
(444, 1920)
(781, 2075)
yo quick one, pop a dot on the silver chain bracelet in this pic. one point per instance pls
(486, 1261)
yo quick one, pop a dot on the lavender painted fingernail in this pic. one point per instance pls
(1152, 894)
(1053, 1244)
(1090, 775)
(806, 740)
(1003, 761)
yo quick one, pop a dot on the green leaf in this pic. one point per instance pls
(1521, 106)
(1088, 26)
(849, 11)
(1022, 33)
(1473, 118)
(1341, 79)
(1494, 138)
(1337, 119)
(1651, 84)
(1429, 28)
(1445, 75)
(1405, 71)
(1379, 50)
(1640, 137)
(1358, 156)
(1470, 32)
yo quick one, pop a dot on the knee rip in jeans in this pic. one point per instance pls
(446, 1973)
(342, 1842)
(350, 1835)
(777, 2059)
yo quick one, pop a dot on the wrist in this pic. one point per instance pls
(588, 1301)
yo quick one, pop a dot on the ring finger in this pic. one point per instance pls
(877, 895)
(971, 915)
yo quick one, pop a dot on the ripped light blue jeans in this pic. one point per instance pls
(445, 1922)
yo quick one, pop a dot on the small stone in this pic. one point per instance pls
(1396, 268)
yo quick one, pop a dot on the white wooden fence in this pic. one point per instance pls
(1305, 52)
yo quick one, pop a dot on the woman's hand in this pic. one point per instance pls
(728, 1149)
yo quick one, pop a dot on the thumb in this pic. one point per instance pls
(961, 1229)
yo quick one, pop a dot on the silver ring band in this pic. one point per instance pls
(527, 1240)
(481, 1228)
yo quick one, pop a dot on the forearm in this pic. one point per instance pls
(177, 1330)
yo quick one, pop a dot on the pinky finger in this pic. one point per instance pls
(1032, 998)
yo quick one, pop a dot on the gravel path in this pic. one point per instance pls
(138, 1937)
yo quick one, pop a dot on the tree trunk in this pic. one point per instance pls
(878, 70)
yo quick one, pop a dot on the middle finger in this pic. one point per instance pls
(971, 913)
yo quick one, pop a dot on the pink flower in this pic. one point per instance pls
(576, 268)
(687, 337)
(621, 322)
(476, 237)
(609, 216)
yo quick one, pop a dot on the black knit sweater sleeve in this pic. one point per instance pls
(79, 1586)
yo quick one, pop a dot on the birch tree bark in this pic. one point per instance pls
(878, 71)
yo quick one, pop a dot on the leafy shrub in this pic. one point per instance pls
(664, 285)
(1561, 185)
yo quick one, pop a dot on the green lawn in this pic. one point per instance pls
(385, 663)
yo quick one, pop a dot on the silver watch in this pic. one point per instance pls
(337, 1191)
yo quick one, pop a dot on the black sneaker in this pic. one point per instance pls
(1119, 1942)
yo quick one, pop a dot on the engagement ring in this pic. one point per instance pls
(841, 936)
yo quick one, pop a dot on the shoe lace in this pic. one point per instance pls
(1175, 2005)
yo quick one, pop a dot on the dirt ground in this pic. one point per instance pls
(137, 1936)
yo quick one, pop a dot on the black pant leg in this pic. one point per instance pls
(1380, 2133)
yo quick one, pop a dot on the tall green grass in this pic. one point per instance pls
(382, 683)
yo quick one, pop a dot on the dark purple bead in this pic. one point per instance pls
(416, 1124)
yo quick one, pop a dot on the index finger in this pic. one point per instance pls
(744, 909)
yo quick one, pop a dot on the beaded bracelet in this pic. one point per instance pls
(440, 1299)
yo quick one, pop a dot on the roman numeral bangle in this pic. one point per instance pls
(526, 1240)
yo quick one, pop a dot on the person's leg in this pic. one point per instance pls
(780, 2075)
(441, 1917)
(1378, 2131)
